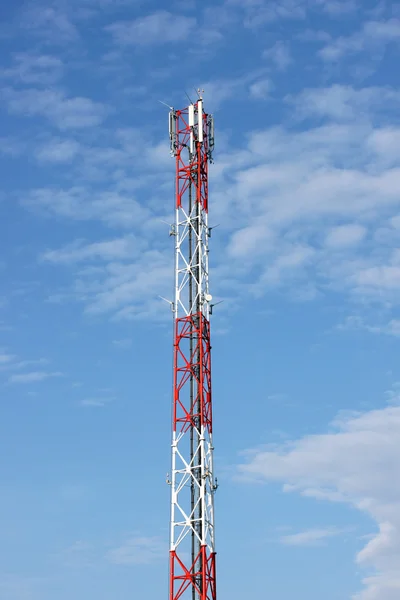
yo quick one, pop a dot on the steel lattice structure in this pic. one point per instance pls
(193, 485)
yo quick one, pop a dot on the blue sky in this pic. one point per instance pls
(305, 190)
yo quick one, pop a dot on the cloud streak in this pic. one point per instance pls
(336, 467)
(310, 537)
(33, 377)
(309, 208)
(62, 111)
(30, 68)
(118, 248)
(373, 36)
(138, 551)
(158, 28)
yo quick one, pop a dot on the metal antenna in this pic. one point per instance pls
(188, 97)
(172, 305)
(167, 105)
(215, 304)
(211, 228)
(199, 92)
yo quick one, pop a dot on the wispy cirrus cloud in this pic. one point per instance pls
(157, 28)
(357, 322)
(5, 357)
(260, 90)
(23, 364)
(50, 22)
(122, 344)
(344, 236)
(340, 102)
(127, 291)
(62, 111)
(336, 467)
(79, 554)
(31, 68)
(138, 551)
(311, 537)
(253, 84)
(57, 151)
(336, 229)
(279, 55)
(96, 401)
(33, 376)
(81, 203)
(121, 277)
(118, 248)
(372, 37)
(308, 204)
(11, 147)
(131, 550)
(11, 362)
(21, 587)
(336, 8)
(257, 14)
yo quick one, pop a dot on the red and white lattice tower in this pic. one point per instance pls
(193, 485)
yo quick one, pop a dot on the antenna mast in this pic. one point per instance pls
(193, 485)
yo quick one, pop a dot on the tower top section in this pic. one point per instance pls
(196, 124)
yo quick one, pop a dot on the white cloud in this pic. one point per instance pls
(258, 13)
(391, 327)
(384, 143)
(355, 463)
(337, 7)
(20, 587)
(298, 204)
(22, 364)
(373, 36)
(127, 290)
(340, 102)
(63, 112)
(157, 28)
(49, 23)
(260, 90)
(310, 537)
(79, 554)
(119, 248)
(295, 205)
(104, 3)
(314, 35)
(31, 68)
(5, 358)
(279, 55)
(81, 203)
(33, 377)
(286, 265)
(9, 362)
(345, 235)
(11, 147)
(96, 402)
(119, 277)
(138, 551)
(122, 344)
(58, 151)
(219, 90)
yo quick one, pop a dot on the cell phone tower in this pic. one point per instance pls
(193, 485)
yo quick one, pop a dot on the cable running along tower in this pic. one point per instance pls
(192, 535)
